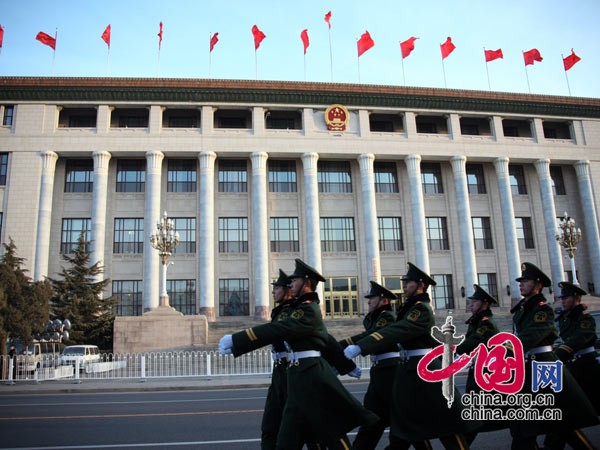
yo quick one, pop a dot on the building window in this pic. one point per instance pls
(283, 120)
(79, 175)
(482, 233)
(385, 177)
(475, 179)
(77, 117)
(234, 297)
(334, 176)
(517, 180)
(233, 118)
(129, 297)
(3, 168)
(186, 227)
(488, 282)
(394, 283)
(284, 234)
(71, 230)
(337, 234)
(437, 233)
(181, 175)
(129, 118)
(442, 293)
(233, 176)
(131, 175)
(181, 118)
(431, 178)
(558, 182)
(390, 234)
(341, 297)
(7, 119)
(233, 234)
(182, 295)
(524, 232)
(282, 176)
(129, 236)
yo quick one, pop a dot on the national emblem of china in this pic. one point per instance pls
(336, 118)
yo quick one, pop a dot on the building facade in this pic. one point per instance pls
(356, 180)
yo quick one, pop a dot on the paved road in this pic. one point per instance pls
(163, 414)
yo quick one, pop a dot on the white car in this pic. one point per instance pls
(85, 354)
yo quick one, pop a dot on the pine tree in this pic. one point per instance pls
(79, 298)
(24, 305)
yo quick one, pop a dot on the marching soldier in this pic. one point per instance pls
(415, 401)
(533, 322)
(317, 405)
(577, 330)
(377, 398)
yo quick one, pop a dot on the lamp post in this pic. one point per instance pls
(164, 239)
(568, 237)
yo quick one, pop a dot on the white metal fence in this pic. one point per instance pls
(146, 365)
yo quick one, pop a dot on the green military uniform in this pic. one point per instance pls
(416, 402)
(317, 405)
(533, 323)
(377, 397)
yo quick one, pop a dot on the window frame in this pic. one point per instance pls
(395, 243)
(475, 171)
(184, 300)
(525, 235)
(181, 175)
(243, 289)
(276, 231)
(484, 228)
(135, 294)
(228, 245)
(435, 185)
(134, 169)
(76, 168)
(516, 175)
(186, 227)
(281, 176)
(443, 291)
(233, 176)
(334, 177)
(69, 234)
(122, 228)
(334, 226)
(442, 242)
(385, 169)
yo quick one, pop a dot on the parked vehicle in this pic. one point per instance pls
(34, 356)
(85, 354)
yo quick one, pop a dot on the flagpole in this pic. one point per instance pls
(444, 72)
(330, 55)
(526, 74)
(487, 71)
(566, 76)
(209, 55)
(403, 77)
(304, 66)
(108, 61)
(256, 64)
(54, 50)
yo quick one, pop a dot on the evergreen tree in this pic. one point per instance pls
(24, 305)
(79, 298)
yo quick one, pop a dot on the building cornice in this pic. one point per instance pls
(178, 90)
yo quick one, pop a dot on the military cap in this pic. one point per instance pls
(530, 271)
(416, 274)
(481, 294)
(283, 279)
(378, 290)
(303, 270)
(568, 289)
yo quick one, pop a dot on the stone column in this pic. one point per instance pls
(42, 243)
(260, 236)
(543, 170)
(151, 217)
(465, 224)
(590, 220)
(367, 182)
(99, 197)
(313, 226)
(413, 166)
(509, 226)
(206, 235)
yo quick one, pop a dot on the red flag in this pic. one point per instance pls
(407, 46)
(106, 35)
(304, 37)
(1, 35)
(447, 48)
(364, 43)
(328, 19)
(159, 35)
(213, 41)
(568, 61)
(531, 56)
(258, 36)
(46, 39)
(491, 55)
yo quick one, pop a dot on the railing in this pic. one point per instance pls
(149, 365)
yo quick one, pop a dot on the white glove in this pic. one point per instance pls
(356, 373)
(226, 345)
(352, 351)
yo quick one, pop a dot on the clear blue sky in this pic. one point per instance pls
(551, 26)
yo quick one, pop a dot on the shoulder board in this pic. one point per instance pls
(486, 318)
(541, 303)
(307, 302)
(418, 303)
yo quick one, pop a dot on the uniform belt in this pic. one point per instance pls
(584, 351)
(278, 356)
(376, 358)
(295, 357)
(407, 354)
(538, 350)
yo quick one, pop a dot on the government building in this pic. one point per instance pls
(357, 180)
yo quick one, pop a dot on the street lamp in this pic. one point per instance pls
(165, 239)
(568, 237)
